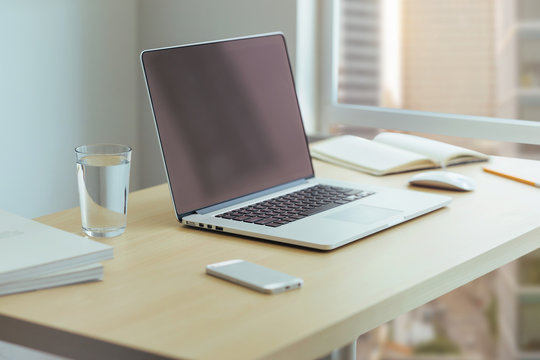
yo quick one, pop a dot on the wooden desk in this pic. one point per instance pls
(157, 301)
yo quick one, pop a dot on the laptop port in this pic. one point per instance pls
(209, 226)
(219, 228)
(201, 225)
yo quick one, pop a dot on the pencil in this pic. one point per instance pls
(515, 178)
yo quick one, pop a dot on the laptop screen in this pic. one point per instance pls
(227, 118)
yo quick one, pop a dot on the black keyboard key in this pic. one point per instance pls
(264, 221)
(240, 218)
(252, 219)
(273, 224)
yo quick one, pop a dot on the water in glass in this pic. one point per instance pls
(103, 192)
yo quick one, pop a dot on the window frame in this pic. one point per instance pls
(329, 112)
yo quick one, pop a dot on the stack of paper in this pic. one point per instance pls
(36, 256)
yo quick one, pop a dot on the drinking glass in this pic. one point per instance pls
(103, 179)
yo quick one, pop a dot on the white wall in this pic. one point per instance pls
(174, 22)
(68, 76)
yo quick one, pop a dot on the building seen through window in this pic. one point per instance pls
(466, 57)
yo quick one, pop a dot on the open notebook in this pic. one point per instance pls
(391, 153)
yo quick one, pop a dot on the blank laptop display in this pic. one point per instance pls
(228, 119)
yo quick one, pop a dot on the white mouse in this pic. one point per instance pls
(443, 180)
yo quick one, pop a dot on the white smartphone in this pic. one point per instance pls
(254, 276)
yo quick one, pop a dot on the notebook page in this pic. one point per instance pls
(438, 151)
(367, 155)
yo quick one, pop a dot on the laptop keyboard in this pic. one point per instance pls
(294, 206)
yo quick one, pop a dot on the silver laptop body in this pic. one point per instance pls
(232, 136)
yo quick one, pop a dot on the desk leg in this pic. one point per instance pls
(348, 352)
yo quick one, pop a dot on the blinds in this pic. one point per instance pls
(446, 55)
(359, 52)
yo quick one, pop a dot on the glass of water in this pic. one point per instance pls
(103, 178)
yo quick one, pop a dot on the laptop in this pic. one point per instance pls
(236, 154)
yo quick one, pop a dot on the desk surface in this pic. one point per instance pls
(157, 299)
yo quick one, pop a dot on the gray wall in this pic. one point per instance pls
(71, 75)
(168, 22)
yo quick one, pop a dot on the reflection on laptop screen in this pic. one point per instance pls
(228, 119)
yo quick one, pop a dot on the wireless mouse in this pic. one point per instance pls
(443, 180)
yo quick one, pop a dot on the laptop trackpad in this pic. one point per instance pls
(364, 214)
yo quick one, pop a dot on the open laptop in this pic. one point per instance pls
(236, 154)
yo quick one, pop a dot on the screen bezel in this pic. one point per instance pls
(243, 197)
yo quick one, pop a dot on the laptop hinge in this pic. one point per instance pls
(232, 202)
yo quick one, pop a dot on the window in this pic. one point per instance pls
(461, 68)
